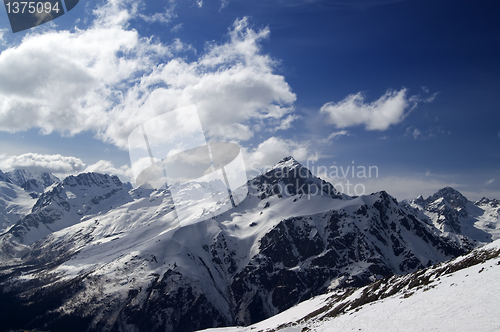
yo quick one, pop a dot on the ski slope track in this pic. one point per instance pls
(93, 254)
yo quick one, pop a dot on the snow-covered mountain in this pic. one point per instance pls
(62, 205)
(32, 182)
(113, 259)
(452, 213)
(18, 192)
(15, 203)
(488, 216)
(459, 295)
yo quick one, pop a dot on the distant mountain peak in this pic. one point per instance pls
(448, 190)
(486, 201)
(66, 202)
(92, 179)
(449, 210)
(31, 181)
(289, 177)
(452, 196)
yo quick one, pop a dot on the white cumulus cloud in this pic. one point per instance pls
(391, 108)
(61, 166)
(56, 164)
(108, 79)
(272, 150)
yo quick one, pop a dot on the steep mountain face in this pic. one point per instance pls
(456, 295)
(290, 178)
(15, 203)
(452, 213)
(64, 204)
(360, 241)
(114, 259)
(19, 190)
(32, 182)
(445, 208)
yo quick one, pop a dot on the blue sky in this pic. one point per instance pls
(411, 87)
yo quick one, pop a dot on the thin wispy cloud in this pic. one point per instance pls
(2, 35)
(176, 28)
(285, 123)
(335, 135)
(424, 134)
(416, 133)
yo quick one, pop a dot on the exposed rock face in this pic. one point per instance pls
(113, 259)
(32, 182)
(305, 256)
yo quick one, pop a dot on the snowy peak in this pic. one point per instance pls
(2, 176)
(32, 181)
(92, 187)
(445, 208)
(65, 204)
(358, 241)
(93, 180)
(289, 178)
(450, 195)
(494, 203)
(453, 214)
(288, 162)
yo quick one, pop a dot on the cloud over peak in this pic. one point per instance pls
(43, 163)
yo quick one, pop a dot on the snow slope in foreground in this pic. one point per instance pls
(461, 295)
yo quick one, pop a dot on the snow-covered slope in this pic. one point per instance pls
(460, 295)
(120, 260)
(18, 192)
(15, 203)
(62, 205)
(487, 217)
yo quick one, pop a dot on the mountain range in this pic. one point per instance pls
(453, 296)
(92, 253)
